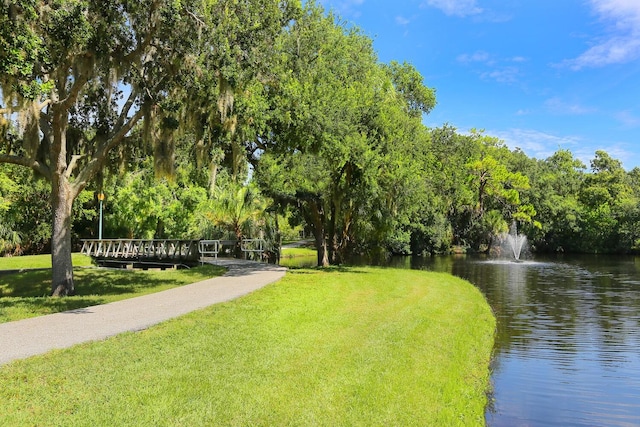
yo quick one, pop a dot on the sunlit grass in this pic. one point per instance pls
(25, 294)
(39, 261)
(356, 347)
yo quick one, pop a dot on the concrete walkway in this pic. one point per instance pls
(25, 338)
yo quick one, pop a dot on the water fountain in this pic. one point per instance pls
(514, 243)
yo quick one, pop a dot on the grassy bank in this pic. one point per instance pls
(25, 294)
(358, 347)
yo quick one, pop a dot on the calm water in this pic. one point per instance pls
(568, 344)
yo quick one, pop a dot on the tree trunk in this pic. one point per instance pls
(333, 238)
(315, 219)
(62, 196)
(62, 267)
(238, 247)
(335, 253)
(321, 248)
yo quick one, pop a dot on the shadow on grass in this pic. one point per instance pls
(87, 282)
(100, 281)
(26, 294)
(117, 282)
(35, 283)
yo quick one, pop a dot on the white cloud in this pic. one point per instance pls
(401, 20)
(628, 119)
(502, 75)
(479, 56)
(558, 106)
(542, 145)
(616, 50)
(621, 43)
(497, 71)
(626, 13)
(460, 8)
(537, 144)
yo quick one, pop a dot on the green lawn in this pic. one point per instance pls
(39, 261)
(353, 347)
(25, 294)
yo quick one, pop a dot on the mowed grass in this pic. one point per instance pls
(337, 347)
(25, 294)
(39, 261)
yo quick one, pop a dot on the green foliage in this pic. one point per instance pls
(409, 83)
(76, 77)
(607, 198)
(10, 237)
(555, 184)
(554, 201)
(138, 205)
(238, 209)
(227, 91)
(478, 188)
(20, 49)
(584, 212)
(340, 134)
(223, 96)
(10, 240)
(25, 211)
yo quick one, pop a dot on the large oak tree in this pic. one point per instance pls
(340, 134)
(76, 76)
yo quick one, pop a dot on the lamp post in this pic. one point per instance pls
(100, 199)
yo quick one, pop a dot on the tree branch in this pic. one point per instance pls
(79, 81)
(44, 103)
(37, 166)
(124, 130)
(45, 125)
(142, 45)
(72, 96)
(72, 165)
(126, 107)
(101, 153)
(196, 18)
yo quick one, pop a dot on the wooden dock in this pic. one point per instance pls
(142, 253)
(163, 252)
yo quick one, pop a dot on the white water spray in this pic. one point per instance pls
(515, 242)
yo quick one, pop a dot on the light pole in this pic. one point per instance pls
(100, 199)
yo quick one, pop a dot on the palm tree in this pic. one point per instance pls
(238, 209)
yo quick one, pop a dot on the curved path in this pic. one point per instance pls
(25, 338)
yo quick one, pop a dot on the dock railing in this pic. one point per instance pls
(158, 249)
(168, 250)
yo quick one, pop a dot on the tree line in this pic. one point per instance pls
(202, 117)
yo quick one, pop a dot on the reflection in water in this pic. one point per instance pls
(567, 347)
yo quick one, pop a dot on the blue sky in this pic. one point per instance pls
(539, 74)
